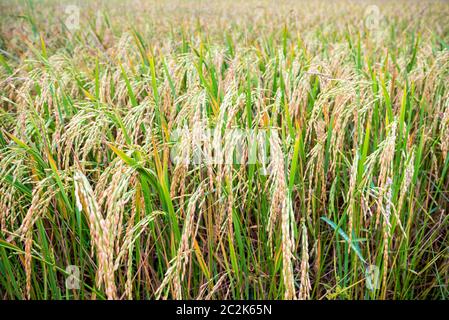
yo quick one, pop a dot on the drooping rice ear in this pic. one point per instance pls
(176, 271)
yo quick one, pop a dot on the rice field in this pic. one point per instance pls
(224, 149)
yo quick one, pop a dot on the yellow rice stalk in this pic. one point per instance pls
(281, 205)
(176, 271)
(386, 163)
(100, 233)
(305, 286)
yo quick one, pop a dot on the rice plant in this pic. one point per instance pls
(224, 149)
